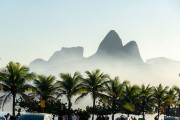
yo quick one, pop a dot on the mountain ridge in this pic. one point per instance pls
(114, 58)
(111, 47)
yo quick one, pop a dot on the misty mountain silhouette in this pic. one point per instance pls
(67, 55)
(111, 48)
(114, 58)
(160, 60)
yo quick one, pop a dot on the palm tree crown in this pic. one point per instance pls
(131, 95)
(94, 84)
(160, 95)
(14, 81)
(45, 86)
(115, 91)
(146, 99)
(70, 85)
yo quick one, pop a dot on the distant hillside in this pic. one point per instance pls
(160, 60)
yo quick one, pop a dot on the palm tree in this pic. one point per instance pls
(45, 86)
(95, 85)
(131, 96)
(177, 94)
(70, 85)
(146, 99)
(13, 79)
(160, 95)
(115, 91)
(171, 99)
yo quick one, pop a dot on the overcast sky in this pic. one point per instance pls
(31, 29)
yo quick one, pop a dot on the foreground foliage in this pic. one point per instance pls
(14, 79)
(109, 96)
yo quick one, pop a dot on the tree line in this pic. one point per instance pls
(109, 95)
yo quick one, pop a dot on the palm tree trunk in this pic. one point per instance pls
(158, 113)
(113, 116)
(143, 115)
(13, 109)
(93, 108)
(113, 107)
(69, 108)
(143, 110)
(158, 109)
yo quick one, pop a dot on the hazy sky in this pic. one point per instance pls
(31, 29)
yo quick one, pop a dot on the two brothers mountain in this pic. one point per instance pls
(114, 58)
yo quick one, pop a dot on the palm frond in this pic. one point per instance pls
(80, 98)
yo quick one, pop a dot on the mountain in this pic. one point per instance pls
(114, 58)
(66, 55)
(63, 56)
(160, 60)
(111, 48)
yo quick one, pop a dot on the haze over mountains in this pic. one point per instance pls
(114, 58)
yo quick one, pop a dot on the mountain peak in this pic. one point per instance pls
(111, 37)
(111, 47)
(113, 32)
(67, 54)
(111, 43)
(132, 50)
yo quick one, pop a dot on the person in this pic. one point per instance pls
(18, 115)
(60, 117)
(65, 117)
(98, 118)
(74, 117)
(102, 117)
(156, 118)
(7, 116)
(106, 117)
(78, 118)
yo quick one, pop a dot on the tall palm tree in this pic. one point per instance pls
(131, 96)
(171, 99)
(160, 95)
(177, 95)
(94, 84)
(70, 85)
(45, 86)
(146, 99)
(13, 79)
(115, 91)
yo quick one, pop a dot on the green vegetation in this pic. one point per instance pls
(115, 92)
(13, 79)
(45, 87)
(109, 96)
(94, 84)
(70, 86)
